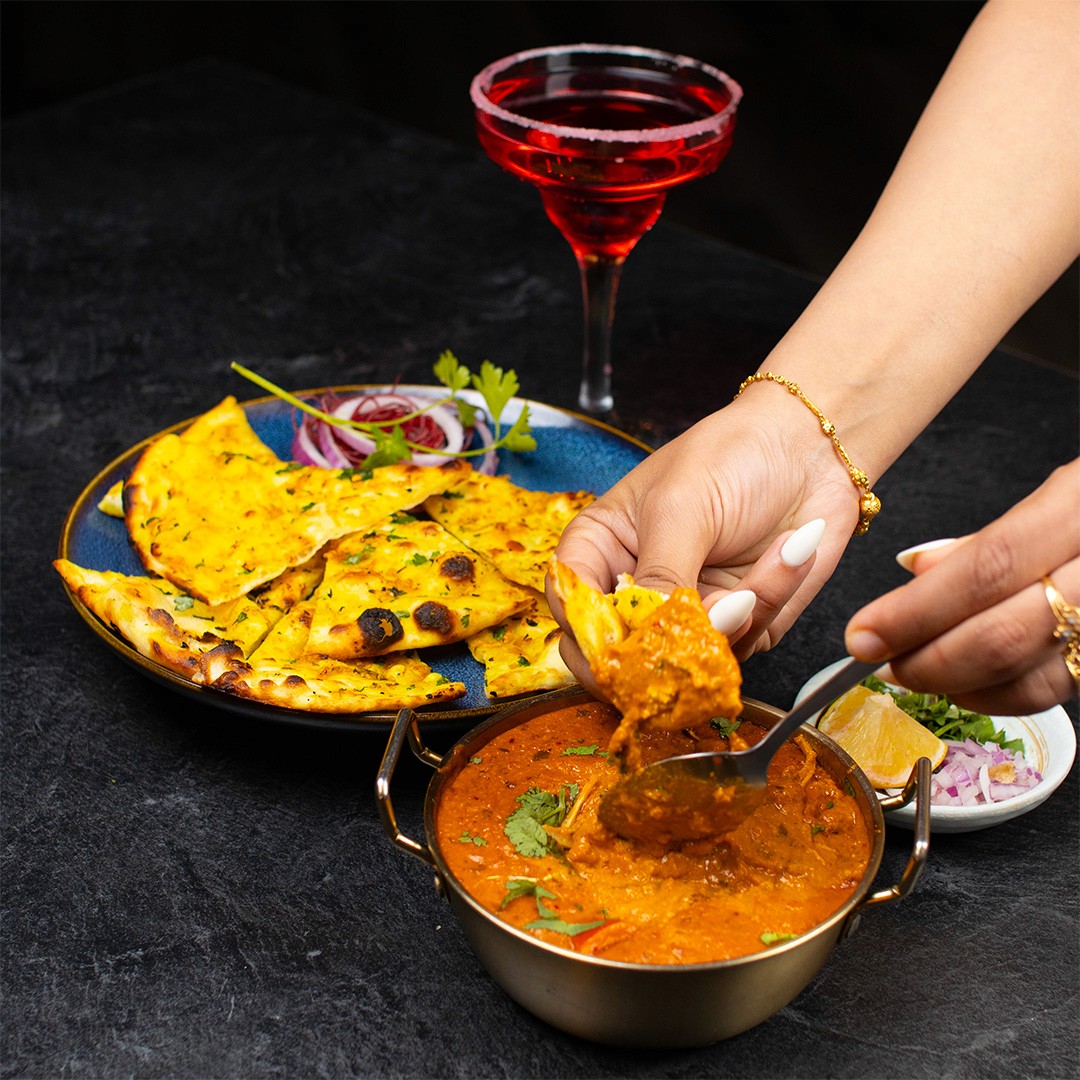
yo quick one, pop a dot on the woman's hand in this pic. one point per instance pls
(975, 622)
(716, 508)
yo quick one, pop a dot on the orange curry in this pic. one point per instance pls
(517, 825)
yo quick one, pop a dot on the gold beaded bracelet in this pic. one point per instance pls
(869, 503)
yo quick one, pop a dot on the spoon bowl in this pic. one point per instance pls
(704, 795)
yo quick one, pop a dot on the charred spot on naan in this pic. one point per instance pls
(284, 673)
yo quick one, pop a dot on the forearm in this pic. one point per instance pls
(981, 215)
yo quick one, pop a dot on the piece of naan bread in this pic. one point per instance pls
(521, 655)
(670, 669)
(217, 512)
(515, 528)
(166, 625)
(283, 672)
(406, 584)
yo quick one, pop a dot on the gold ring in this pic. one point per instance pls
(1067, 630)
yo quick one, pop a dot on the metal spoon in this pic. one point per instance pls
(706, 794)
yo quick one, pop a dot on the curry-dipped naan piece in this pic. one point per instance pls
(281, 672)
(406, 584)
(215, 514)
(166, 625)
(517, 529)
(521, 655)
(673, 670)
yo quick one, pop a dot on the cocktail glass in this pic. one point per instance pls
(603, 131)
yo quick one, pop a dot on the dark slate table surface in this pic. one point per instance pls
(188, 893)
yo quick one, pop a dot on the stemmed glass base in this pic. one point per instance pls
(601, 232)
(599, 285)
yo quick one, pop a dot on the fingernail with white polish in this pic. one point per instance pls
(731, 611)
(802, 543)
(907, 557)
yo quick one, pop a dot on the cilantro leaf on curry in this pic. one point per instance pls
(549, 920)
(524, 828)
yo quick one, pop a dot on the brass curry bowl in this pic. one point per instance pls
(648, 1005)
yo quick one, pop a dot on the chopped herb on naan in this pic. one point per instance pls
(515, 528)
(521, 655)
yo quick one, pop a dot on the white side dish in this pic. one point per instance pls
(1049, 748)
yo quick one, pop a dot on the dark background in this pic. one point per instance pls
(833, 89)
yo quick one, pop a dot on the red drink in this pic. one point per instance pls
(603, 131)
(604, 193)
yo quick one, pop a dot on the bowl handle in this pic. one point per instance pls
(404, 725)
(918, 785)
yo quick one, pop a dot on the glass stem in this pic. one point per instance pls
(599, 286)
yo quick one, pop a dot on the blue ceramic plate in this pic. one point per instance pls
(573, 453)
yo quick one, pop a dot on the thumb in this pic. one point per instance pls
(672, 548)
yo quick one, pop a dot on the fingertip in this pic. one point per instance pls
(802, 543)
(906, 558)
(731, 611)
(865, 645)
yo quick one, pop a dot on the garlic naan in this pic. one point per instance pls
(406, 584)
(515, 528)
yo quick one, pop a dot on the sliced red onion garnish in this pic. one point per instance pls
(974, 774)
(336, 446)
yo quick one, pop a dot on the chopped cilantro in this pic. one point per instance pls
(549, 920)
(557, 926)
(724, 725)
(771, 938)
(467, 838)
(581, 751)
(943, 718)
(524, 828)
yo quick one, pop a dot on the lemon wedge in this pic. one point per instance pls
(883, 739)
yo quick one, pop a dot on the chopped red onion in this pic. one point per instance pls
(974, 774)
(332, 446)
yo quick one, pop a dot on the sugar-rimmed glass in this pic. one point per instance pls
(603, 132)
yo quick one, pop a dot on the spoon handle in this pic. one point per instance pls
(854, 671)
